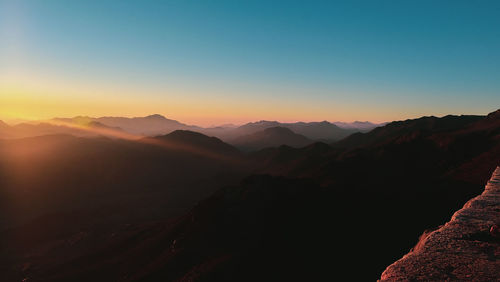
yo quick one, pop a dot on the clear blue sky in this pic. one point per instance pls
(286, 60)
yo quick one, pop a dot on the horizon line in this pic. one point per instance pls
(16, 121)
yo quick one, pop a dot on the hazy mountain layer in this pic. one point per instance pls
(154, 125)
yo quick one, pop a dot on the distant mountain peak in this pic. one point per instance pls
(186, 133)
(265, 122)
(358, 125)
(156, 116)
(199, 140)
(271, 137)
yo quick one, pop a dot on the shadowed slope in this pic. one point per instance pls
(403, 183)
(406, 130)
(57, 173)
(462, 249)
(264, 227)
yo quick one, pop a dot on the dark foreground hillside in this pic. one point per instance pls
(314, 213)
(466, 248)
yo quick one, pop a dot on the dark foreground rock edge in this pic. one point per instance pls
(462, 249)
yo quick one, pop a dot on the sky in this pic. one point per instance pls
(214, 62)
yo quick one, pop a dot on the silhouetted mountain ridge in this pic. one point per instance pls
(397, 129)
(313, 130)
(191, 138)
(271, 137)
(157, 124)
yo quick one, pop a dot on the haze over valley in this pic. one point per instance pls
(154, 125)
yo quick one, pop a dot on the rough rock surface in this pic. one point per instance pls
(462, 249)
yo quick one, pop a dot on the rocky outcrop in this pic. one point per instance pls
(465, 248)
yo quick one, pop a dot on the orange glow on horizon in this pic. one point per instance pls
(17, 105)
(34, 97)
(42, 100)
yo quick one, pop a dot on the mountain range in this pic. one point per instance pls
(185, 206)
(155, 125)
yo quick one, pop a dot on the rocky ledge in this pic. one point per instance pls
(465, 248)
